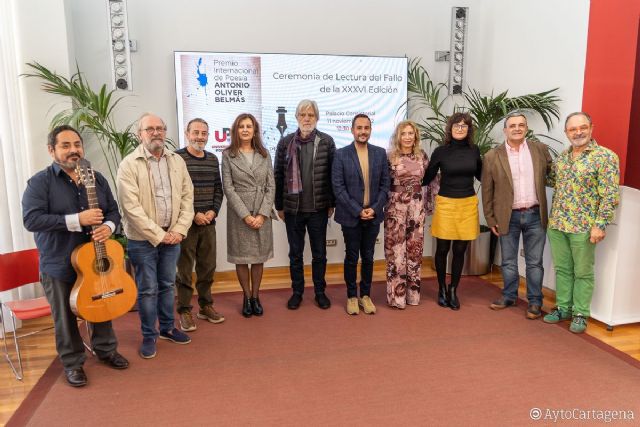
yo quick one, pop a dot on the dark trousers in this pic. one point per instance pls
(68, 340)
(200, 247)
(359, 241)
(297, 225)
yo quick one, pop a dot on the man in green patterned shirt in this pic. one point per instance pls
(586, 193)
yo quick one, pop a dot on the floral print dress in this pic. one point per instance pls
(404, 229)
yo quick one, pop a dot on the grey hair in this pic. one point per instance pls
(197, 120)
(577, 113)
(306, 103)
(512, 115)
(145, 115)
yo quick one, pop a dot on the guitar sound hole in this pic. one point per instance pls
(102, 265)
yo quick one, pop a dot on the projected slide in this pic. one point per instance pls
(219, 86)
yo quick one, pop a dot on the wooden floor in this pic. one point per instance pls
(39, 350)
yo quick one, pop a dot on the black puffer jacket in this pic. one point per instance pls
(324, 150)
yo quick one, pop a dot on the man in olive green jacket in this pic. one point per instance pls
(515, 202)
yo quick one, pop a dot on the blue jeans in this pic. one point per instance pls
(359, 241)
(316, 224)
(155, 269)
(527, 223)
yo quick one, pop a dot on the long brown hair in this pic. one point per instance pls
(455, 118)
(256, 141)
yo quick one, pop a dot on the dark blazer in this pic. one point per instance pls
(497, 184)
(348, 184)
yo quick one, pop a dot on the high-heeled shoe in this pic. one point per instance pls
(256, 307)
(454, 303)
(443, 299)
(247, 311)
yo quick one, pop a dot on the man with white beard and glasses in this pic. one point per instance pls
(156, 196)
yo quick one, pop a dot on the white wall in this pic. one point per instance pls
(521, 45)
(42, 35)
(39, 33)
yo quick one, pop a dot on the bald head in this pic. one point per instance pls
(152, 133)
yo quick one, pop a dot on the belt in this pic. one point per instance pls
(526, 209)
(410, 188)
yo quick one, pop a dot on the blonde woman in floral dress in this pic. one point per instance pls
(404, 217)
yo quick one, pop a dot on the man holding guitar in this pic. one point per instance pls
(56, 210)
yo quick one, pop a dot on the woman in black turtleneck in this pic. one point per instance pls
(456, 212)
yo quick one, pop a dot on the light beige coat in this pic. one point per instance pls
(137, 199)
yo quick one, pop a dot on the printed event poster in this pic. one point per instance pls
(219, 86)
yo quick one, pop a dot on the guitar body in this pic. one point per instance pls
(103, 290)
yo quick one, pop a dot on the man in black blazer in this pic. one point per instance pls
(360, 178)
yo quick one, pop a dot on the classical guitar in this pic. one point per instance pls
(103, 289)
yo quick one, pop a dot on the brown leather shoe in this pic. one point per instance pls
(210, 314)
(533, 312)
(186, 321)
(501, 303)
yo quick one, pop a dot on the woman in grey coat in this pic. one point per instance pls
(247, 179)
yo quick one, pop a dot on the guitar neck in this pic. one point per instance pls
(92, 198)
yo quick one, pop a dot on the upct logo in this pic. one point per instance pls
(221, 135)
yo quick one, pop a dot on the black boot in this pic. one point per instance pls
(443, 299)
(256, 307)
(246, 307)
(454, 304)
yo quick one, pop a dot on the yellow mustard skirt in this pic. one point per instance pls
(456, 219)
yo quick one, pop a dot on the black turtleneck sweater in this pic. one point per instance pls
(458, 163)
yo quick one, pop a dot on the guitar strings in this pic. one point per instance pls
(87, 177)
(102, 263)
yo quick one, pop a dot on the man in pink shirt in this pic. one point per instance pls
(515, 203)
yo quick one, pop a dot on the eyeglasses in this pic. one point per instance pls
(582, 128)
(460, 127)
(151, 130)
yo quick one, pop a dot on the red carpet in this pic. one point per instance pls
(422, 366)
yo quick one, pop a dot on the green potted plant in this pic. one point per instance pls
(91, 112)
(429, 105)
